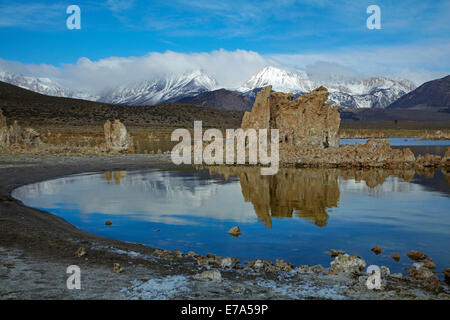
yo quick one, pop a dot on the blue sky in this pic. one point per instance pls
(414, 33)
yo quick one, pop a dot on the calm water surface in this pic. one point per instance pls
(296, 215)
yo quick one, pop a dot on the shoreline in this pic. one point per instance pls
(36, 247)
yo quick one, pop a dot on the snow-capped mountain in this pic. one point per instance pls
(371, 93)
(41, 85)
(280, 80)
(167, 89)
(45, 86)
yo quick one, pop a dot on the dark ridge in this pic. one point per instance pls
(31, 108)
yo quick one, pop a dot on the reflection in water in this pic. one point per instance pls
(352, 210)
(308, 192)
(117, 175)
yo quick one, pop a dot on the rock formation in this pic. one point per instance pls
(117, 137)
(16, 136)
(305, 121)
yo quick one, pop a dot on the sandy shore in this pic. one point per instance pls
(36, 248)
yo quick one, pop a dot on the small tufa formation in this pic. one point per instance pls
(80, 252)
(347, 263)
(416, 255)
(377, 250)
(235, 231)
(395, 256)
(419, 271)
(15, 135)
(306, 121)
(209, 275)
(117, 268)
(117, 137)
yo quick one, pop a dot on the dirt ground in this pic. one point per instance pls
(36, 248)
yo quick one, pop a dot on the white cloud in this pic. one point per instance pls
(229, 68)
(418, 63)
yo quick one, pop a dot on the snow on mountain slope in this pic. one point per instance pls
(280, 80)
(371, 93)
(40, 85)
(167, 89)
(44, 86)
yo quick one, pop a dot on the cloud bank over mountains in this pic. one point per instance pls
(418, 63)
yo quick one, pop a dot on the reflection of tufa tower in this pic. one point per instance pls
(116, 175)
(308, 192)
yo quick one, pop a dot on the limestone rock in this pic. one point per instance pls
(377, 250)
(347, 263)
(117, 268)
(335, 253)
(15, 135)
(226, 262)
(306, 121)
(447, 275)
(284, 266)
(117, 137)
(235, 231)
(429, 263)
(419, 271)
(395, 256)
(258, 264)
(80, 252)
(416, 255)
(209, 275)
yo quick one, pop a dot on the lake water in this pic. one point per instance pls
(295, 215)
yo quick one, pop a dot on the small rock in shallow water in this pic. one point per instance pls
(80, 252)
(377, 250)
(447, 275)
(235, 231)
(395, 256)
(429, 263)
(108, 223)
(209, 275)
(416, 255)
(335, 253)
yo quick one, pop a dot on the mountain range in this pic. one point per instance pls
(197, 87)
(431, 94)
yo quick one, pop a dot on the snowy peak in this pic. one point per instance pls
(376, 92)
(167, 89)
(43, 86)
(40, 85)
(279, 79)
